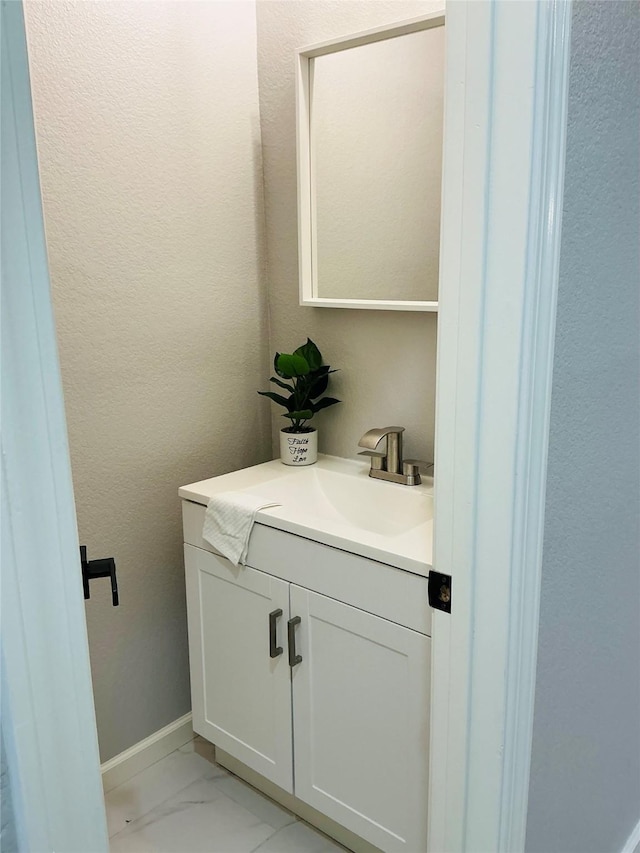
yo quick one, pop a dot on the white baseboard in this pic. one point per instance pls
(633, 841)
(141, 755)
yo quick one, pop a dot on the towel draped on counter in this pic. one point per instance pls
(228, 521)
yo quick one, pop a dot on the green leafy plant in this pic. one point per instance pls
(307, 379)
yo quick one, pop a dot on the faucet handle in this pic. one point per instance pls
(377, 457)
(411, 470)
(410, 466)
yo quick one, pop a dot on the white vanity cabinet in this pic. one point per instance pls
(360, 717)
(326, 699)
(241, 696)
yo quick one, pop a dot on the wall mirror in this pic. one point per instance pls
(369, 136)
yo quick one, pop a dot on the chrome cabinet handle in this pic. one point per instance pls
(274, 649)
(291, 636)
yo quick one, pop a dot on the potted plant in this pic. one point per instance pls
(306, 378)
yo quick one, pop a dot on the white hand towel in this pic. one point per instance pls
(228, 522)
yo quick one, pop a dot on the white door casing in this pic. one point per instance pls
(505, 121)
(55, 772)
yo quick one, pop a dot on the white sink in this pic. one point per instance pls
(366, 504)
(337, 503)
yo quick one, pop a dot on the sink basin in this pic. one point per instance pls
(368, 505)
(335, 502)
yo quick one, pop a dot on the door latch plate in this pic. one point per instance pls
(440, 591)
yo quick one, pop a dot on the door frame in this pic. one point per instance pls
(52, 747)
(505, 128)
(507, 74)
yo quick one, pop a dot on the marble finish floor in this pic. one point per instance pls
(186, 803)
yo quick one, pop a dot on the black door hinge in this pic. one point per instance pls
(440, 591)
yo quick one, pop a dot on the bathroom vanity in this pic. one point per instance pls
(310, 666)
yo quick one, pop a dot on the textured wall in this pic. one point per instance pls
(148, 135)
(585, 774)
(387, 359)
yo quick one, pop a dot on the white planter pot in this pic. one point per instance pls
(299, 448)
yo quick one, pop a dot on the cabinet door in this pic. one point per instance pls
(360, 716)
(241, 695)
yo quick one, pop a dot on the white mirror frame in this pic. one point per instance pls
(306, 189)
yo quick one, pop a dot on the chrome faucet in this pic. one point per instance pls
(389, 465)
